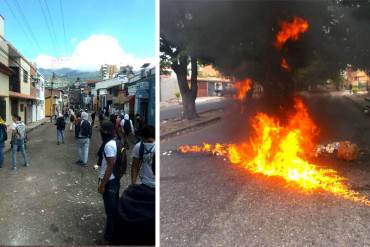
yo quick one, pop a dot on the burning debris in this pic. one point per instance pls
(282, 151)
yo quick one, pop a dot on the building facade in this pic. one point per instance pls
(107, 71)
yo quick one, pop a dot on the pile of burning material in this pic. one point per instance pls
(277, 150)
(345, 150)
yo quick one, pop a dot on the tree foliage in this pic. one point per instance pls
(237, 37)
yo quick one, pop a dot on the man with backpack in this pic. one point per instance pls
(135, 220)
(83, 132)
(18, 141)
(127, 127)
(3, 138)
(113, 164)
(61, 125)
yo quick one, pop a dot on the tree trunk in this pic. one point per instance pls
(188, 94)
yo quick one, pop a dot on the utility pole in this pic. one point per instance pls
(51, 96)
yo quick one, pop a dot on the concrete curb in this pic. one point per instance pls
(174, 132)
(28, 130)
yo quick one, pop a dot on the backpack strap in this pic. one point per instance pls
(141, 150)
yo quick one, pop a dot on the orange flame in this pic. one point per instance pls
(290, 31)
(242, 88)
(284, 64)
(282, 151)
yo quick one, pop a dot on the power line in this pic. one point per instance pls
(27, 23)
(51, 22)
(64, 28)
(19, 23)
(53, 41)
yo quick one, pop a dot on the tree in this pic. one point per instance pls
(179, 61)
(238, 36)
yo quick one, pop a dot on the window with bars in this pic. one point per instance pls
(25, 76)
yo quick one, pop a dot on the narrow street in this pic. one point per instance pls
(54, 201)
(206, 201)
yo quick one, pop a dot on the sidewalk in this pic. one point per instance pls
(174, 102)
(29, 128)
(174, 127)
(359, 99)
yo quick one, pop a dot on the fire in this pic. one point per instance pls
(242, 88)
(281, 151)
(290, 31)
(284, 64)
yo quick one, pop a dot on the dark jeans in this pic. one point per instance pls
(111, 198)
(2, 146)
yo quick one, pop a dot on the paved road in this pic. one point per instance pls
(175, 111)
(205, 201)
(54, 201)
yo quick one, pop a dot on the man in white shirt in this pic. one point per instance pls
(143, 162)
(108, 184)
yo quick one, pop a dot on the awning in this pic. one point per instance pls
(21, 95)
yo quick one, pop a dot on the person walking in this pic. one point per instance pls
(93, 114)
(134, 223)
(108, 183)
(127, 128)
(139, 124)
(83, 134)
(3, 138)
(71, 120)
(18, 141)
(61, 125)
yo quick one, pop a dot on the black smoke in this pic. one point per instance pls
(237, 37)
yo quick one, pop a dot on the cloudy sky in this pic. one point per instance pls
(81, 34)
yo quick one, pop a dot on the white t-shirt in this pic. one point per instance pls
(146, 173)
(110, 151)
(123, 124)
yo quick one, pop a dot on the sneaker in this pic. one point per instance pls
(26, 165)
(14, 168)
(78, 162)
(57, 143)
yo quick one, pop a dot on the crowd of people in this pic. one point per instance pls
(130, 219)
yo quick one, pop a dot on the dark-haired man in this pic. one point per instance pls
(135, 221)
(17, 141)
(108, 183)
(143, 158)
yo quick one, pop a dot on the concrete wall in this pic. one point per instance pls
(25, 86)
(168, 88)
(4, 49)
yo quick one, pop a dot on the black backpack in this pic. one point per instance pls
(120, 167)
(85, 129)
(127, 126)
(3, 133)
(141, 155)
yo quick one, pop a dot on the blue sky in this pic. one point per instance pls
(128, 23)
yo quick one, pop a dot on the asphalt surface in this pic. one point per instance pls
(176, 110)
(53, 201)
(206, 201)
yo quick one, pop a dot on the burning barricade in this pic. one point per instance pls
(283, 151)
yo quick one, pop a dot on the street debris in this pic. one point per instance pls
(345, 150)
(348, 151)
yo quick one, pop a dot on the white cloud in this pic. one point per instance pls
(92, 52)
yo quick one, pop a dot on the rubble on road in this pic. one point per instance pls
(345, 150)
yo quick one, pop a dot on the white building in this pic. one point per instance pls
(38, 110)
